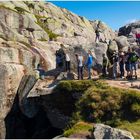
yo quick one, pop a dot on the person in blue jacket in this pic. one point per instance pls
(89, 63)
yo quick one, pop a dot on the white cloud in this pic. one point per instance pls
(131, 21)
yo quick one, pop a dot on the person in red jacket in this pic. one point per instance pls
(137, 38)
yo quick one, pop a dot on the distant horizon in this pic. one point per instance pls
(114, 13)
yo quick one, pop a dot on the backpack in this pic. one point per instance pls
(134, 57)
(115, 58)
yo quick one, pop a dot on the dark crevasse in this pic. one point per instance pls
(19, 126)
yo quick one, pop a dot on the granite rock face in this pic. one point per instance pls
(102, 131)
(30, 33)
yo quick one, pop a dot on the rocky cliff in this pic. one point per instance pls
(30, 33)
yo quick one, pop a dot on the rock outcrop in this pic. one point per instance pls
(30, 34)
(102, 131)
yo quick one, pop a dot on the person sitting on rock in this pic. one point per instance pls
(104, 65)
(80, 65)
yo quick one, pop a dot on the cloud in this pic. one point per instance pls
(131, 21)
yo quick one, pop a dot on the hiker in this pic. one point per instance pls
(121, 63)
(89, 63)
(67, 62)
(58, 60)
(61, 58)
(80, 65)
(133, 62)
(104, 65)
(115, 64)
(137, 38)
(41, 71)
(127, 63)
(97, 32)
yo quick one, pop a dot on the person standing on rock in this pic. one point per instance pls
(133, 61)
(127, 63)
(67, 62)
(89, 63)
(80, 65)
(121, 63)
(58, 59)
(97, 32)
(104, 65)
(97, 35)
(137, 38)
(115, 64)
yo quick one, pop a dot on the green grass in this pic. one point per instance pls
(42, 39)
(133, 127)
(97, 102)
(80, 127)
(25, 43)
(20, 10)
(52, 36)
(3, 6)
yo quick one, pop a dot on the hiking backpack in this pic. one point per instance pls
(134, 57)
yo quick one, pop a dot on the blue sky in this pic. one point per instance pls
(113, 13)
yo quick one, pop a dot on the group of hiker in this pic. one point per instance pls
(122, 62)
(63, 61)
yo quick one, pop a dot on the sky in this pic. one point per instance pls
(114, 13)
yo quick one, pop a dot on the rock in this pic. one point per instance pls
(60, 121)
(29, 109)
(129, 29)
(25, 43)
(122, 43)
(113, 46)
(42, 87)
(102, 131)
(65, 76)
(10, 78)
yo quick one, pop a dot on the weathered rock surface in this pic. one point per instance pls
(30, 33)
(102, 131)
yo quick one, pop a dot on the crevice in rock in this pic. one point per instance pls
(19, 126)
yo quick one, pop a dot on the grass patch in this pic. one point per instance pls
(20, 10)
(4, 7)
(133, 127)
(80, 127)
(52, 36)
(26, 44)
(98, 103)
(42, 39)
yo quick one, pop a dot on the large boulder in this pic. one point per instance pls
(112, 46)
(10, 78)
(102, 131)
(130, 29)
(27, 83)
(122, 43)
